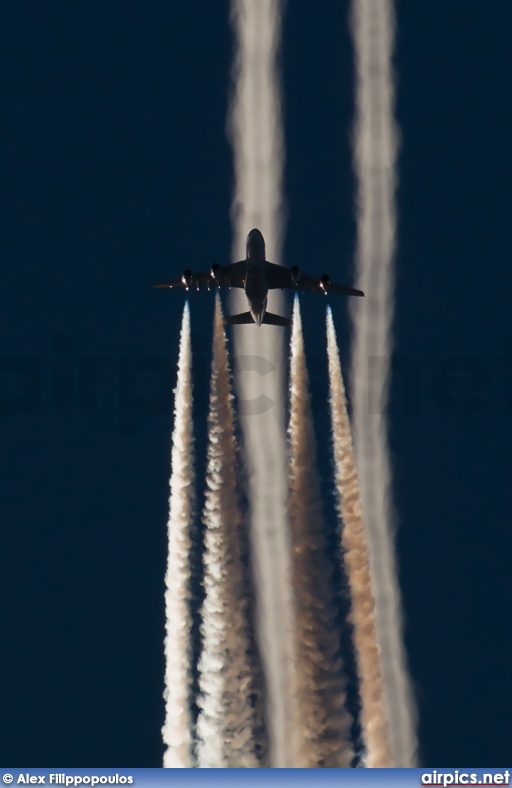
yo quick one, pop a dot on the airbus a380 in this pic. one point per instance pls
(257, 276)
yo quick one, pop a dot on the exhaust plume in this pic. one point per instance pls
(375, 149)
(177, 726)
(255, 130)
(357, 566)
(230, 725)
(321, 723)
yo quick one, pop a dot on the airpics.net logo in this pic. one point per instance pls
(129, 388)
(456, 778)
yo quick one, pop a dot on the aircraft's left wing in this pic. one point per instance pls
(218, 276)
(234, 275)
(280, 277)
(186, 281)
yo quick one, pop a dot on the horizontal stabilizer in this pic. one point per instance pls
(243, 319)
(276, 320)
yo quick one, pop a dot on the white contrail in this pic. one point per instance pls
(375, 147)
(256, 134)
(230, 723)
(321, 722)
(357, 566)
(177, 727)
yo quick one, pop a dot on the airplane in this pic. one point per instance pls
(257, 276)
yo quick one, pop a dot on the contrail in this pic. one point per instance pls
(230, 723)
(255, 130)
(321, 723)
(357, 566)
(177, 727)
(375, 149)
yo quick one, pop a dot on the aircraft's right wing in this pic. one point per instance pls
(280, 277)
(332, 287)
(218, 276)
(324, 285)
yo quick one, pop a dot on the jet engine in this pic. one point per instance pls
(187, 277)
(215, 269)
(295, 274)
(324, 282)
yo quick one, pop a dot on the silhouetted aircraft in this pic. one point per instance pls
(257, 276)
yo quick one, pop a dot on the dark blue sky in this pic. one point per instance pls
(115, 172)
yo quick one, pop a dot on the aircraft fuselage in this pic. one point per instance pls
(256, 276)
(256, 288)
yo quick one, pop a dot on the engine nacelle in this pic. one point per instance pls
(295, 274)
(187, 277)
(215, 271)
(324, 282)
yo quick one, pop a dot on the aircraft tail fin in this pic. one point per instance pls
(276, 320)
(243, 319)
